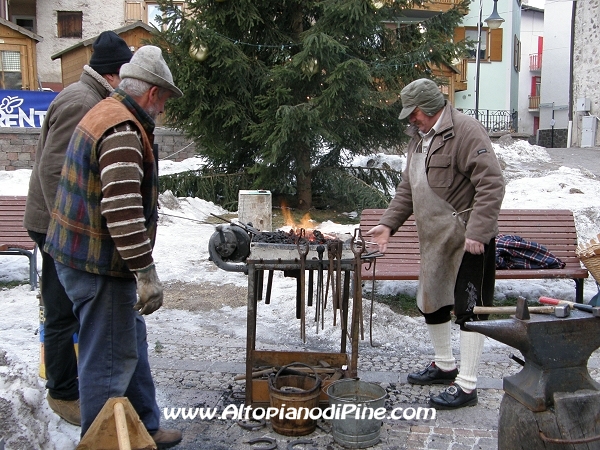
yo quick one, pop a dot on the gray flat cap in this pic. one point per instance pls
(148, 64)
(423, 93)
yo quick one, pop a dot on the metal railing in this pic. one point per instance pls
(535, 62)
(495, 120)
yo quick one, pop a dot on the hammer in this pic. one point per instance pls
(559, 311)
(594, 310)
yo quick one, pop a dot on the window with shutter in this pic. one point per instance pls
(134, 11)
(69, 24)
(491, 42)
(516, 53)
(155, 13)
(496, 44)
(471, 35)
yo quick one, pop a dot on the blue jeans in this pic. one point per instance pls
(113, 351)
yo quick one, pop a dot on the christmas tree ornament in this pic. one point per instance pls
(199, 52)
(310, 67)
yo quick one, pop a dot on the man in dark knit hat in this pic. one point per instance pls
(101, 236)
(97, 81)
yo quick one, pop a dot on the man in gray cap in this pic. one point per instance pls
(454, 186)
(97, 81)
(101, 237)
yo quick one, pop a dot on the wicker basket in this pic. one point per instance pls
(589, 255)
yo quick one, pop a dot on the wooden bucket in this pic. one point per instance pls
(294, 396)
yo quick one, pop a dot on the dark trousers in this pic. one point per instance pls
(475, 284)
(59, 326)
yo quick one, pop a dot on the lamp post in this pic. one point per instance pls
(493, 22)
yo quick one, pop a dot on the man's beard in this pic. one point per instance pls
(153, 111)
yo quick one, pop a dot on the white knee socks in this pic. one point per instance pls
(471, 348)
(442, 346)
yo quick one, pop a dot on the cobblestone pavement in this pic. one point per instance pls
(195, 362)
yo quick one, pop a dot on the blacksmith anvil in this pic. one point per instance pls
(555, 350)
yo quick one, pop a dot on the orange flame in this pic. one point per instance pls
(306, 222)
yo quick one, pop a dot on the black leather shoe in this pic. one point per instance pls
(432, 374)
(453, 397)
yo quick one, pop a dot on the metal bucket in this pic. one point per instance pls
(356, 431)
(287, 392)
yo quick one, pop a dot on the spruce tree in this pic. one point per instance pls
(289, 90)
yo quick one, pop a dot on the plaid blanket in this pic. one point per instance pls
(514, 252)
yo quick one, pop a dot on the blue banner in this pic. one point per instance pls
(24, 108)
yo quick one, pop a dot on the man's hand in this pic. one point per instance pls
(381, 235)
(150, 291)
(473, 247)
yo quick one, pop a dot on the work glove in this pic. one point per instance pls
(150, 291)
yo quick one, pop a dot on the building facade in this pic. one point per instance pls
(530, 76)
(499, 64)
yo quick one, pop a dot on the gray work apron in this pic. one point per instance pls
(441, 240)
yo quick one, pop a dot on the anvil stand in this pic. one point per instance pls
(552, 401)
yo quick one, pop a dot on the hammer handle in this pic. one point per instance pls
(510, 309)
(555, 301)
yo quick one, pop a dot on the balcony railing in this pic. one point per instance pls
(534, 102)
(535, 62)
(438, 5)
(495, 120)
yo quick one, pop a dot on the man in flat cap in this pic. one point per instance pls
(454, 186)
(97, 81)
(101, 237)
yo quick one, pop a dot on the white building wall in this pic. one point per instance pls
(556, 67)
(586, 64)
(98, 16)
(498, 81)
(532, 27)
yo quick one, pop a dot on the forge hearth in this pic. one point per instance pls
(321, 265)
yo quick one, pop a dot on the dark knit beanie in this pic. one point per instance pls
(110, 52)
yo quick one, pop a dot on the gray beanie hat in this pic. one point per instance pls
(148, 64)
(423, 93)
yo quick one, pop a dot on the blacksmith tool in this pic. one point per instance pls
(593, 310)
(559, 311)
(338, 279)
(311, 281)
(330, 275)
(269, 287)
(319, 306)
(358, 248)
(303, 248)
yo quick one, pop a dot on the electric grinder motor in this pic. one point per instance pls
(230, 244)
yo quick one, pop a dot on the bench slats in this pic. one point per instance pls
(14, 239)
(554, 229)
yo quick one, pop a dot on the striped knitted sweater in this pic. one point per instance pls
(105, 212)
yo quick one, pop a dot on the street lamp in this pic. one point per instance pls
(493, 22)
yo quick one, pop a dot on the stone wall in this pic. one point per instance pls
(586, 63)
(556, 138)
(18, 145)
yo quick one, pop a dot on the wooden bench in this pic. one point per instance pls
(14, 239)
(554, 229)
